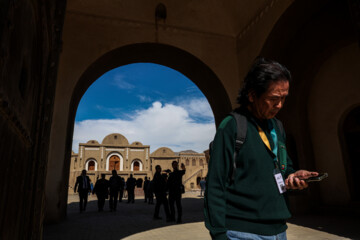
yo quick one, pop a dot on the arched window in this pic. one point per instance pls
(91, 165)
(187, 162)
(136, 165)
(193, 162)
(201, 162)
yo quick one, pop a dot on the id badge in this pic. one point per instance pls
(279, 181)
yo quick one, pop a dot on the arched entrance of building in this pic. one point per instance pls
(349, 132)
(114, 161)
(162, 54)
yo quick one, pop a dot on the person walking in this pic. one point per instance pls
(122, 189)
(82, 185)
(159, 188)
(202, 186)
(175, 187)
(101, 190)
(145, 187)
(130, 186)
(114, 185)
(150, 192)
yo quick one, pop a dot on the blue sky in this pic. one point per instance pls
(145, 102)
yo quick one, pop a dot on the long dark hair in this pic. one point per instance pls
(262, 73)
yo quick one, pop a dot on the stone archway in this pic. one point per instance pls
(162, 54)
(349, 132)
(165, 55)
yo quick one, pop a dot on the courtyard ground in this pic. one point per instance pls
(134, 222)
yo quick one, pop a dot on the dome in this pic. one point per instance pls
(163, 152)
(137, 144)
(188, 151)
(115, 139)
(92, 142)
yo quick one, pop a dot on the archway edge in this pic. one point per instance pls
(189, 65)
(343, 146)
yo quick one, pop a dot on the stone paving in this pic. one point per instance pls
(134, 222)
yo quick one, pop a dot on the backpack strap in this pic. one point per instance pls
(281, 127)
(241, 126)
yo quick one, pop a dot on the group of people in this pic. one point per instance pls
(166, 187)
(113, 189)
(172, 185)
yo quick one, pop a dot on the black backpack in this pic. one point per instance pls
(241, 123)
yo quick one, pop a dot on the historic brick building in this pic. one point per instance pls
(115, 152)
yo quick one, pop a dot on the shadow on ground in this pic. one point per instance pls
(339, 222)
(129, 219)
(134, 218)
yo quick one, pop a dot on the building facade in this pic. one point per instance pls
(195, 163)
(115, 152)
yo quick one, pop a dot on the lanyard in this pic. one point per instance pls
(266, 140)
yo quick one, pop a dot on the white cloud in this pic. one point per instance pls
(158, 126)
(197, 107)
(120, 82)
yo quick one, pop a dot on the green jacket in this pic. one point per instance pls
(252, 202)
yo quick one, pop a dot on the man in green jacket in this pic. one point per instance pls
(252, 202)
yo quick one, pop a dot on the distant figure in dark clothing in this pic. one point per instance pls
(122, 188)
(159, 188)
(114, 185)
(146, 185)
(150, 192)
(101, 190)
(174, 186)
(202, 186)
(130, 187)
(83, 184)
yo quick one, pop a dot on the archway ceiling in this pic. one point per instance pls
(217, 17)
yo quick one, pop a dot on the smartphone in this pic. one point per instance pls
(318, 178)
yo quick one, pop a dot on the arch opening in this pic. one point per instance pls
(190, 66)
(114, 161)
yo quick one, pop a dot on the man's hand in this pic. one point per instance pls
(296, 180)
(183, 166)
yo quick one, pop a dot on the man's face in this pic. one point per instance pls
(158, 169)
(269, 103)
(175, 165)
(83, 172)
